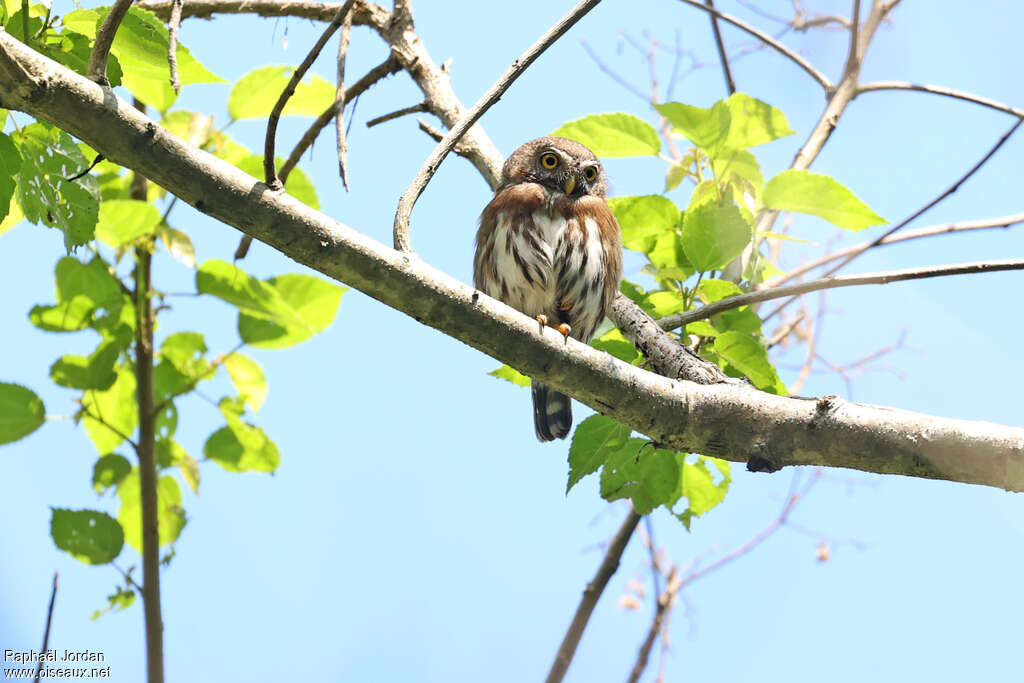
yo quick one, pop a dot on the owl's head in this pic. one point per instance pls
(559, 164)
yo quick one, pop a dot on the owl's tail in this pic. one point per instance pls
(552, 413)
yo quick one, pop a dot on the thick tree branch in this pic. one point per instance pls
(455, 133)
(591, 594)
(722, 420)
(671, 322)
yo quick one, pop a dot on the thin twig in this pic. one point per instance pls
(97, 418)
(25, 23)
(730, 84)
(339, 120)
(786, 330)
(591, 594)
(414, 109)
(812, 344)
(97, 70)
(666, 601)
(386, 68)
(46, 630)
(821, 78)
(269, 166)
(173, 24)
(419, 183)
(929, 231)
(673, 321)
(879, 86)
(931, 204)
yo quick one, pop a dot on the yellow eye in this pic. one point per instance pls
(590, 173)
(549, 160)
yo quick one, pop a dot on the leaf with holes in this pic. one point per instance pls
(109, 471)
(89, 536)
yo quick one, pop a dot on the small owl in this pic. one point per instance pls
(549, 246)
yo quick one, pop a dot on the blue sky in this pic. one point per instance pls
(417, 531)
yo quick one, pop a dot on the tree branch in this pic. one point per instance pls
(671, 322)
(269, 165)
(930, 231)
(46, 630)
(455, 133)
(339, 120)
(591, 594)
(666, 601)
(173, 24)
(821, 78)
(879, 86)
(97, 70)
(414, 109)
(730, 84)
(722, 420)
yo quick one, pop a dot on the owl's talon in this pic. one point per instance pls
(564, 329)
(543, 321)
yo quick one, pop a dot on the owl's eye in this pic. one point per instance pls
(549, 160)
(590, 174)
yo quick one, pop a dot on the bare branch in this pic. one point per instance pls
(97, 70)
(339, 120)
(730, 84)
(414, 109)
(666, 601)
(455, 133)
(821, 78)
(671, 322)
(591, 594)
(46, 630)
(879, 86)
(929, 231)
(173, 24)
(269, 166)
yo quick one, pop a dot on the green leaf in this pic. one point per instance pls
(241, 447)
(10, 164)
(595, 440)
(697, 485)
(667, 253)
(707, 129)
(93, 372)
(662, 303)
(753, 122)
(256, 93)
(109, 471)
(311, 303)
(674, 175)
(48, 157)
(21, 412)
(510, 374)
(178, 244)
(750, 357)
(643, 218)
(116, 407)
(250, 295)
(297, 185)
(739, 164)
(122, 221)
(89, 536)
(712, 289)
(169, 513)
(68, 316)
(248, 378)
(615, 343)
(91, 280)
(73, 49)
(648, 476)
(713, 235)
(141, 47)
(122, 599)
(184, 351)
(169, 453)
(819, 195)
(14, 215)
(613, 135)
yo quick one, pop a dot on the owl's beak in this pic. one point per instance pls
(570, 184)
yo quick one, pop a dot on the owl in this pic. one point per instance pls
(549, 246)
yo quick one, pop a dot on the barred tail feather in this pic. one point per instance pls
(552, 413)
